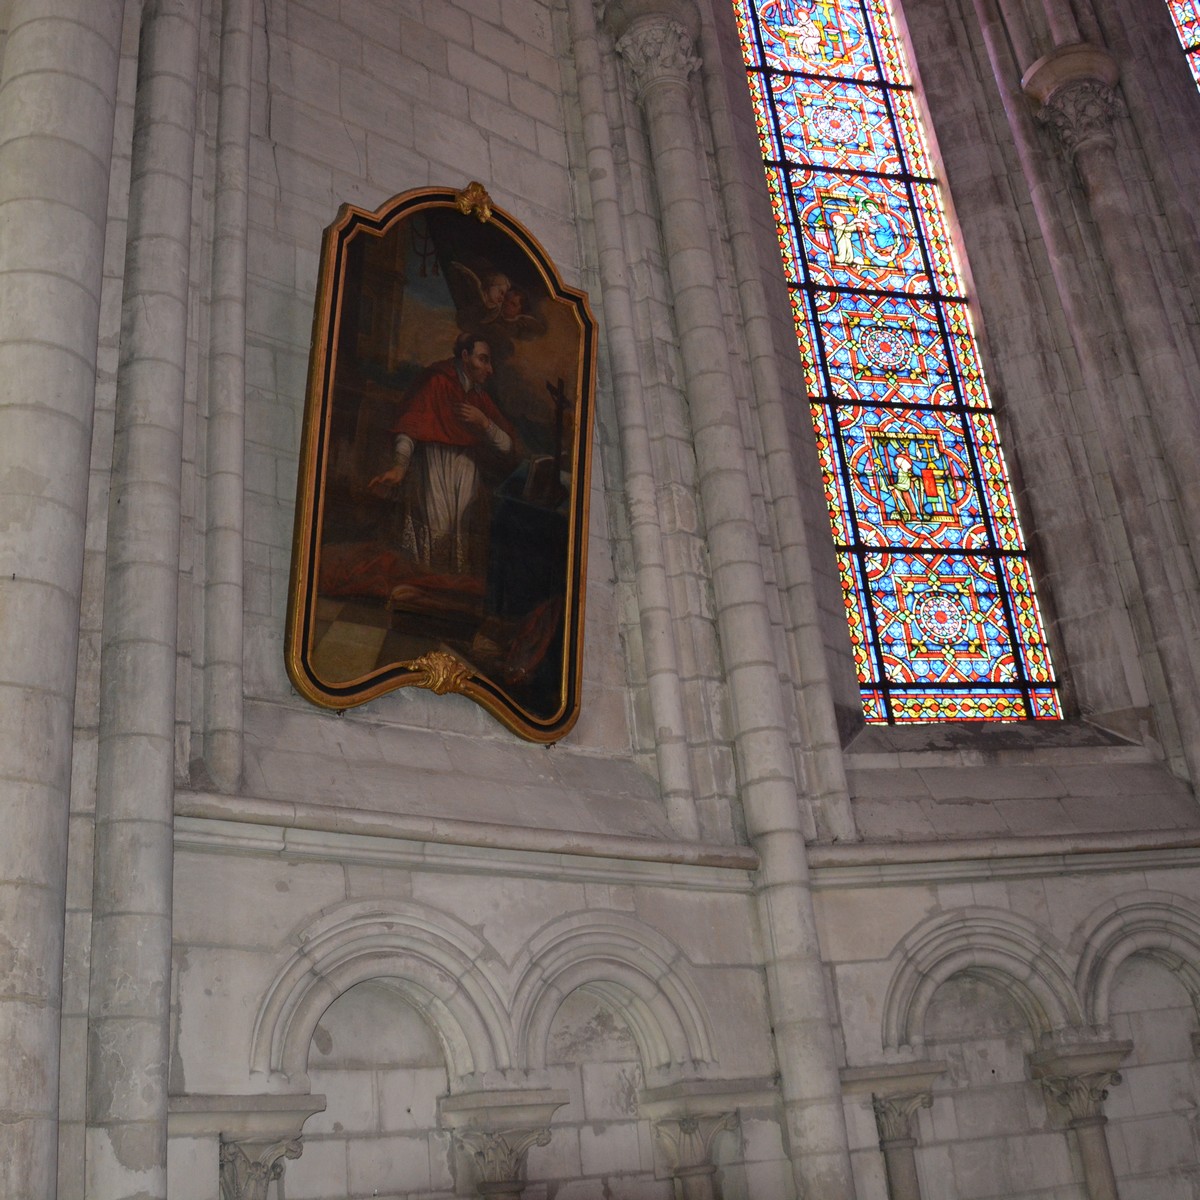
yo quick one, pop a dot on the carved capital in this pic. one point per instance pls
(1082, 1096)
(1081, 113)
(1079, 1076)
(249, 1168)
(688, 1140)
(894, 1114)
(658, 50)
(499, 1155)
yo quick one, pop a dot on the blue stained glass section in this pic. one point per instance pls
(823, 37)
(940, 618)
(884, 348)
(834, 123)
(858, 232)
(911, 479)
(943, 620)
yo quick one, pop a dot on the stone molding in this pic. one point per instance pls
(1079, 1077)
(1162, 925)
(208, 821)
(986, 942)
(659, 50)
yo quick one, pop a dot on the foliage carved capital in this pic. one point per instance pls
(658, 50)
(688, 1140)
(247, 1176)
(894, 1114)
(1081, 113)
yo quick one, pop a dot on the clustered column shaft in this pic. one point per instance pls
(225, 465)
(57, 100)
(129, 994)
(659, 51)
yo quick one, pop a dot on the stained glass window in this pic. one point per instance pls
(943, 618)
(1187, 21)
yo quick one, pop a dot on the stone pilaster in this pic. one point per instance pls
(497, 1130)
(657, 46)
(1078, 1079)
(57, 100)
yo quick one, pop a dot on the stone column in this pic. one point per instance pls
(1076, 88)
(1148, 572)
(497, 1130)
(657, 45)
(1078, 1079)
(655, 613)
(893, 1115)
(827, 790)
(57, 98)
(129, 994)
(688, 1142)
(226, 442)
(898, 1092)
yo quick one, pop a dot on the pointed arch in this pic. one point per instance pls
(436, 963)
(1158, 925)
(632, 968)
(999, 947)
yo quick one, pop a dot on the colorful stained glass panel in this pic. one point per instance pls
(821, 38)
(884, 348)
(944, 623)
(911, 479)
(1186, 14)
(858, 232)
(834, 123)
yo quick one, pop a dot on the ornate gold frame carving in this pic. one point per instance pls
(372, 604)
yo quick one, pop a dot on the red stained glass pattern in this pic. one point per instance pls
(1186, 14)
(944, 623)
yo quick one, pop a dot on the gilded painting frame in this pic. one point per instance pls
(442, 498)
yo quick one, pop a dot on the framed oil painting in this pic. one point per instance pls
(441, 516)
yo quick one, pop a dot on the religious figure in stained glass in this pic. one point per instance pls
(944, 623)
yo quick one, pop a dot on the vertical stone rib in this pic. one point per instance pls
(225, 486)
(1138, 478)
(653, 589)
(57, 98)
(821, 741)
(659, 51)
(128, 1034)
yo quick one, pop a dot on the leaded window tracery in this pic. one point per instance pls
(1186, 15)
(939, 594)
